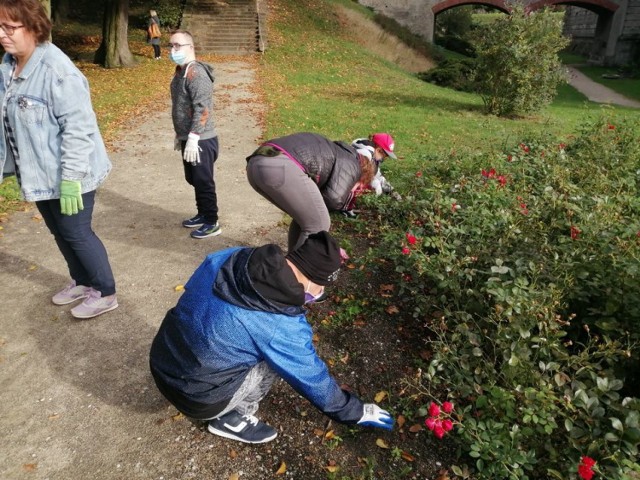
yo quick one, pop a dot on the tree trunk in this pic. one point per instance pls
(114, 50)
(59, 10)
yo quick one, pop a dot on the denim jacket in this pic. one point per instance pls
(54, 126)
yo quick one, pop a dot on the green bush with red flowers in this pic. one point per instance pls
(523, 267)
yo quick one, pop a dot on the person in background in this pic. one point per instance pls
(196, 137)
(154, 34)
(240, 325)
(50, 140)
(378, 147)
(306, 175)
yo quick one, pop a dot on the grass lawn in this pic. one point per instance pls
(629, 87)
(330, 85)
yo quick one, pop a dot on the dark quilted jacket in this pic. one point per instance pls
(334, 166)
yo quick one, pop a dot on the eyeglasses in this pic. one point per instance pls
(9, 29)
(177, 46)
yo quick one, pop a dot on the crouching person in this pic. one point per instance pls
(239, 325)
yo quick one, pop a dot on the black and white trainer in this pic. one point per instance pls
(243, 428)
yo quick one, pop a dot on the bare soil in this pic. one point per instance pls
(78, 399)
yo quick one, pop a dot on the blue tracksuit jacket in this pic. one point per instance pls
(222, 327)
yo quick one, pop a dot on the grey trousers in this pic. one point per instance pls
(255, 386)
(283, 183)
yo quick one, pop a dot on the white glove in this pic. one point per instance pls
(192, 150)
(374, 416)
(177, 144)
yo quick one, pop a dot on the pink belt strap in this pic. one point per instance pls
(280, 149)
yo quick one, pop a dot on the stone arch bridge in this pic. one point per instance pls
(608, 30)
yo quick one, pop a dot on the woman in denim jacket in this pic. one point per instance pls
(51, 142)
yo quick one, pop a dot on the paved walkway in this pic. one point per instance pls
(597, 92)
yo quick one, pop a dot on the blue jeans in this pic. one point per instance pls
(85, 254)
(201, 178)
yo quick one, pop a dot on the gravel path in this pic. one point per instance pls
(597, 92)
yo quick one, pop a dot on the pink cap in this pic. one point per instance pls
(385, 142)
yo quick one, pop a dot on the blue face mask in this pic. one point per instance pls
(310, 297)
(178, 57)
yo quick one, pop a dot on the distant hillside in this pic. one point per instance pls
(371, 36)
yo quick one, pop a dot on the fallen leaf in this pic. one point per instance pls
(329, 435)
(381, 443)
(30, 467)
(380, 396)
(55, 416)
(318, 432)
(332, 468)
(387, 287)
(282, 469)
(392, 309)
(233, 454)
(407, 456)
(33, 267)
(234, 476)
(443, 475)
(177, 416)
(345, 359)
(415, 428)
(179, 288)
(400, 421)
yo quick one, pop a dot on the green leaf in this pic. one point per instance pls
(616, 423)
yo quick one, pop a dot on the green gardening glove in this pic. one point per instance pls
(70, 197)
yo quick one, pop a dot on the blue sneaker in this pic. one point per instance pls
(194, 222)
(207, 230)
(243, 428)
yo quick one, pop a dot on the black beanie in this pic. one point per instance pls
(318, 258)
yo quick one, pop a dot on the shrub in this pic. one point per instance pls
(522, 266)
(518, 65)
(452, 73)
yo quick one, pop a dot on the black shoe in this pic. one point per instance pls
(243, 428)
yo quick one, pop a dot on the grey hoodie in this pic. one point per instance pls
(192, 100)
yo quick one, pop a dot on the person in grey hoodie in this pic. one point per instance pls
(196, 137)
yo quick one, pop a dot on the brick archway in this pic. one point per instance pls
(447, 4)
(597, 6)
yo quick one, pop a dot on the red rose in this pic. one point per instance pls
(430, 423)
(447, 407)
(434, 410)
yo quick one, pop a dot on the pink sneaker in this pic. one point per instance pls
(95, 305)
(70, 294)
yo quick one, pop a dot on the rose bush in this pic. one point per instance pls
(522, 266)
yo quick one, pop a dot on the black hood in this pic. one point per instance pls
(234, 284)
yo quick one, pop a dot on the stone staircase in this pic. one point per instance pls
(225, 27)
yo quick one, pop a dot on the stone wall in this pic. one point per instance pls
(416, 15)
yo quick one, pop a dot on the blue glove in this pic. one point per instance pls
(70, 197)
(374, 416)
